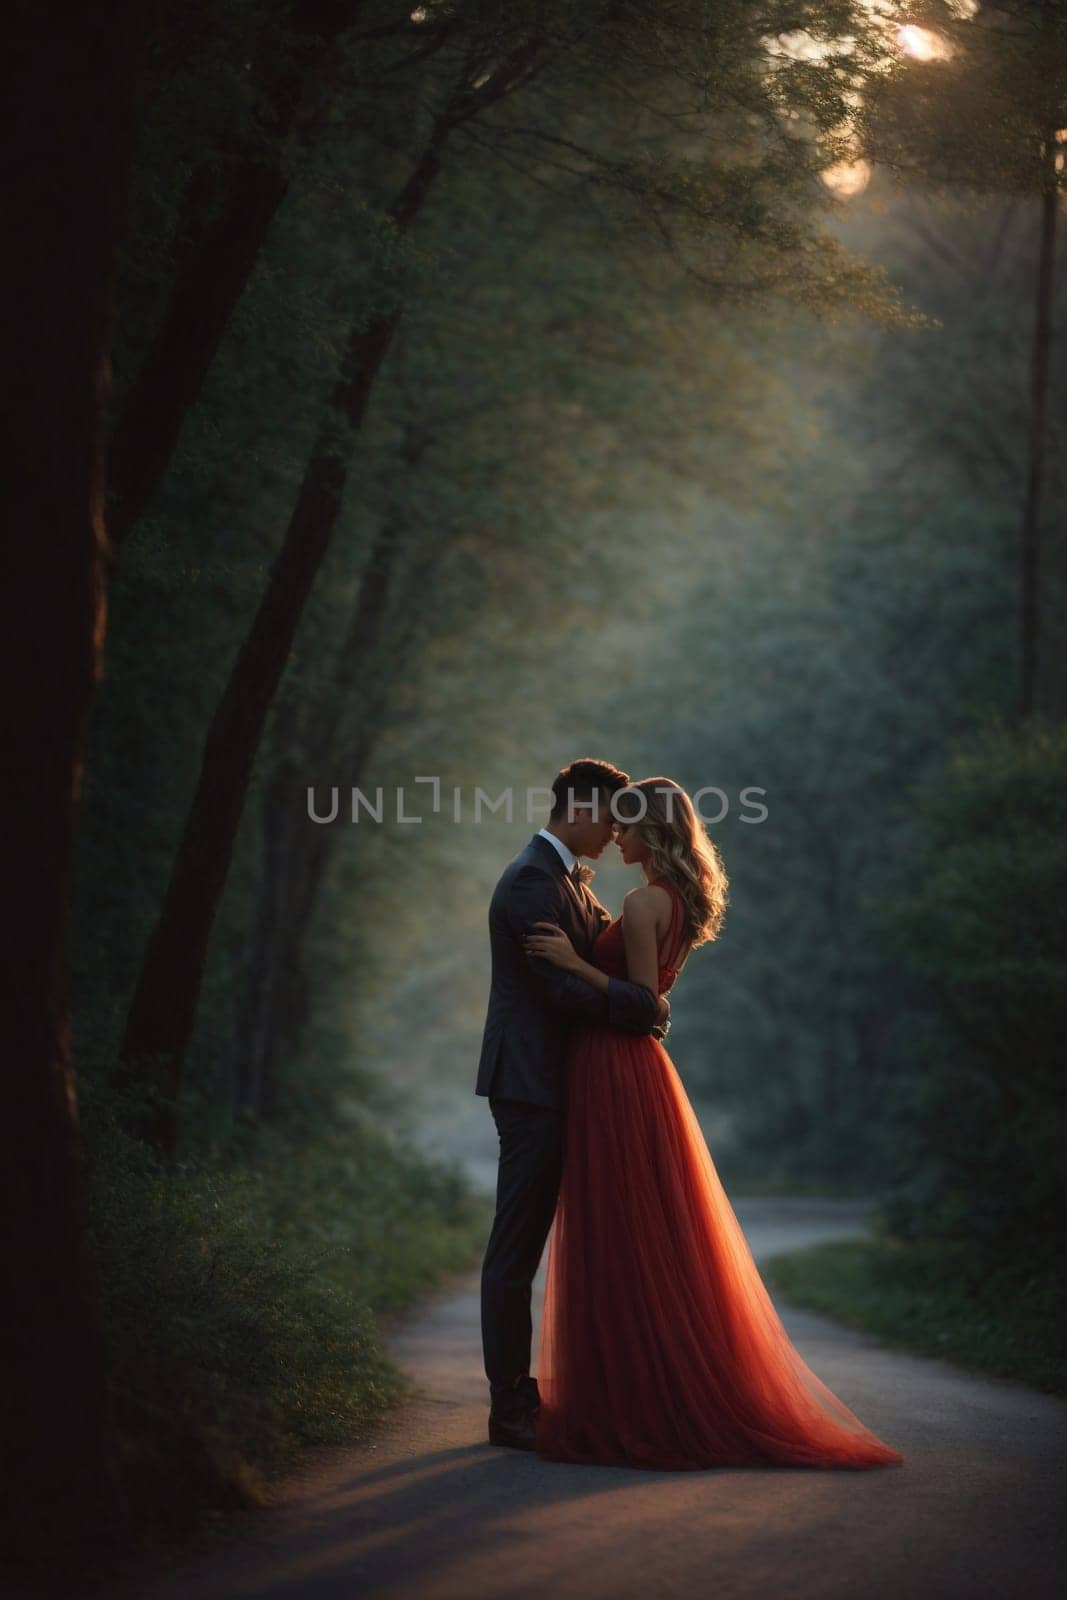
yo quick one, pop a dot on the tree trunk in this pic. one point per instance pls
(291, 992)
(69, 87)
(255, 1017)
(1030, 592)
(286, 997)
(292, 844)
(214, 272)
(164, 1005)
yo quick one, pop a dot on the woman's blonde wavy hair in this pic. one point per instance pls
(681, 851)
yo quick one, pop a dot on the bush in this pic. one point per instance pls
(982, 926)
(241, 1302)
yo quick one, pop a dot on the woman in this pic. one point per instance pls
(659, 1343)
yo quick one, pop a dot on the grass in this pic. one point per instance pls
(928, 1296)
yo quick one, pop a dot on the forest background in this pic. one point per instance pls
(496, 385)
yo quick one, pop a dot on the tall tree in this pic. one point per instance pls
(981, 107)
(69, 83)
(295, 856)
(232, 200)
(1040, 360)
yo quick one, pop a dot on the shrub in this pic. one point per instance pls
(241, 1302)
(982, 927)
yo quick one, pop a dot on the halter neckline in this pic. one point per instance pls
(678, 929)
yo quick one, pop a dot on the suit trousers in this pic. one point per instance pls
(528, 1178)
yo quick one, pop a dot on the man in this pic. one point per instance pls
(532, 1005)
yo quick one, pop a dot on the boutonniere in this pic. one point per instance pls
(584, 874)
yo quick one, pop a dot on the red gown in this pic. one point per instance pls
(660, 1346)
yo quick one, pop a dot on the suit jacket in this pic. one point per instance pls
(532, 1004)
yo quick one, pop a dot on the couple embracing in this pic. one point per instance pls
(659, 1346)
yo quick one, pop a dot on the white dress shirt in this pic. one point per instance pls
(566, 856)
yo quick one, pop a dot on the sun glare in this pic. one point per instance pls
(847, 178)
(922, 45)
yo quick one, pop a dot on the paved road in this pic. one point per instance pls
(431, 1512)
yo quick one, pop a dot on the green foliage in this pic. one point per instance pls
(983, 922)
(981, 926)
(983, 113)
(388, 1221)
(242, 1302)
(929, 1296)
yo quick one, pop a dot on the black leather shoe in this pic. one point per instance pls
(518, 1432)
(530, 1393)
(510, 1400)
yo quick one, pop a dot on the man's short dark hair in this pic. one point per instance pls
(577, 784)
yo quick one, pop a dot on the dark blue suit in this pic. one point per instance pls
(532, 1005)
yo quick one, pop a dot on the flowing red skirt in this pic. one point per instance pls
(660, 1346)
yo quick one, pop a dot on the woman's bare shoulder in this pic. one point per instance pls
(648, 902)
